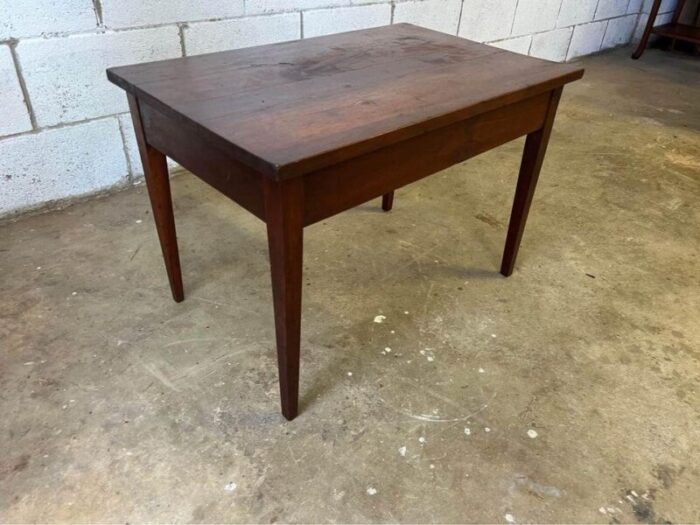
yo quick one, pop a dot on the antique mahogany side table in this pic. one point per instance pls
(299, 131)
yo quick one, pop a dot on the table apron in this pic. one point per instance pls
(199, 156)
(334, 189)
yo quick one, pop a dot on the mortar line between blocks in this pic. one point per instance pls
(459, 20)
(181, 33)
(59, 126)
(605, 32)
(97, 7)
(23, 85)
(125, 149)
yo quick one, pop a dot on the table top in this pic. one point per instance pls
(290, 108)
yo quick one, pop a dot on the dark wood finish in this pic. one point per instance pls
(181, 143)
(647, 30)
(533, 157)
(674, 30)
(679, 32)
(388, 201)
(300, 131)
(294, 107)
(155, 169)
(285, 233)
(345, 185)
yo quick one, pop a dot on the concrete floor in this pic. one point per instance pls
(566, 393)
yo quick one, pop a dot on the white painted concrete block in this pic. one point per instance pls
(135, 13)
(66, 77)
(635, 6)
(619, 31)
(257, 7)
(14, 117)
(533, 16)
(132, 147)
(611, 8)
(23, 18)
(440, 15)
(520, 44)
(75, 160)
(485, 20)
(326, 21)
(576, 12)
(663, 19)
(552, 45)
(207, 37)
(666, 6)
(587, 39)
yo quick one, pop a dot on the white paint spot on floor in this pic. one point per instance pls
(29, 363)
(421, 440)
(379, 318)
(481, 370)
(371, 491)
(428, 354)
(74, 293)
(487, 429)
(230, 486)
(405, 312)
(387, 350)
(402, 451)
(510, 518)
(532, 433)
(393, 331)
(38, 267)
(138, 221)
(432, 466)
(602, 510)
(493, 335)
(349, 374)
(467, 431)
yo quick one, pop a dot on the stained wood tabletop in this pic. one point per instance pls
(291, 108)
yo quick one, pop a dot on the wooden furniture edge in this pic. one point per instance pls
(335, 156)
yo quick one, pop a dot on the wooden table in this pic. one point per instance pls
(299, 131)
(675, 30)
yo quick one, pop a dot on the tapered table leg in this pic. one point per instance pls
(533, 156)
(647, 30)
(387, 201)
(155, 169)
(285, 233)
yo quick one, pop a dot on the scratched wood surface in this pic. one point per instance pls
(291, 108)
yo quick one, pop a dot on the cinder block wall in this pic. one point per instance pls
(64, 130)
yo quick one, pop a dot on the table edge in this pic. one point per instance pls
(344, 153)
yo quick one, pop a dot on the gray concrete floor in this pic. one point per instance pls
(119, 405)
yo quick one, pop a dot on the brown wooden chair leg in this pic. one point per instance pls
(647, 30)
(387, 201)
(155, 169)
(285, 234)
(533, 156)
